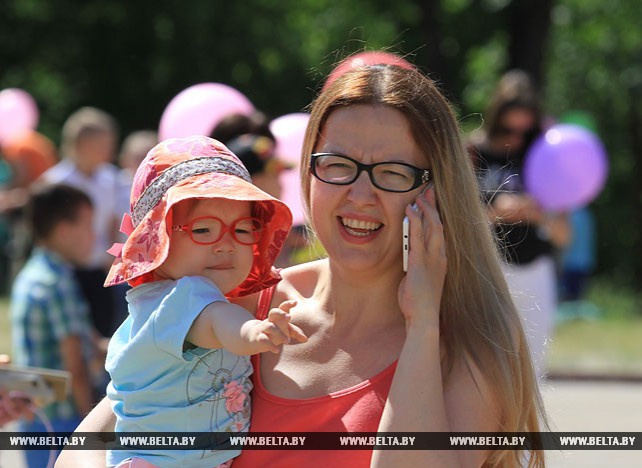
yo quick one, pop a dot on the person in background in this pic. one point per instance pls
(437, 349)
(250, 138)
(235, 125)
(132, 152)
(28, 156)
(256, 152)
(529, 237)
(89, 138)
(579, 257)
(8, 204)
(13, 407)
(577, 264)
(50, 322)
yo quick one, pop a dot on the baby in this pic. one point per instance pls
(199, 232)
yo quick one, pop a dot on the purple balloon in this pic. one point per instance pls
(565, 168)
(18, 113)
(199, 108)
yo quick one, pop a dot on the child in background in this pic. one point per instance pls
(88, 147)
(51, 325)
(199, 231)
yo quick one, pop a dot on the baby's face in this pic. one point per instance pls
(226, 262)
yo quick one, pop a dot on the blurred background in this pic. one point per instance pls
(131, 58)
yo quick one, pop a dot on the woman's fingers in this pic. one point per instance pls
(426, 226)
(436, 238)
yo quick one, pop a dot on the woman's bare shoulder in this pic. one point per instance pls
(299, 281)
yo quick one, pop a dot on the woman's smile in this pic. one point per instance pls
(358, 230)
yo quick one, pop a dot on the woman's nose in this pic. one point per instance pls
(362, 190)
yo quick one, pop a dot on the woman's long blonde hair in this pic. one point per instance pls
(478, 318)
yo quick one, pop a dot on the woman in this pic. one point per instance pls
(529, 235)
(437, 349)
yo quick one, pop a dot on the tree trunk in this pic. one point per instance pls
(529, 24)
(432, 55)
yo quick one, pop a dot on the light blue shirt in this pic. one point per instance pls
(158, 387)
(580, 255)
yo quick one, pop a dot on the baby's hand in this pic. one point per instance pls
(280, 316)
(277, 330)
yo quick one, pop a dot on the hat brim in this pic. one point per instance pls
(147, 246)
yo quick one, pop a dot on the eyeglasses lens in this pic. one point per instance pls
(245, 231)
(335, 169)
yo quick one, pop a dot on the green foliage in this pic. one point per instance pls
(594, 65)
(131, 58)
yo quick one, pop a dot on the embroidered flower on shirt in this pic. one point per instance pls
(234, 397)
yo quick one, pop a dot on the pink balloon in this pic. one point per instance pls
(289, 131)
(565, 168)
(18, 113)
(362, 59)
(199, 108)
(291, 195)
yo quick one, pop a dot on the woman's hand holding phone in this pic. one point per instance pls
(420, 290)
(405, 228)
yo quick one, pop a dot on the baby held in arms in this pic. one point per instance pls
(199, 233)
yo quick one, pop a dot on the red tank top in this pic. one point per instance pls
(354, 409)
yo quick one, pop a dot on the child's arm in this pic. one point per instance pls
(229, 326)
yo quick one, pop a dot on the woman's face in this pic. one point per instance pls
(358, 224)
(515, 127)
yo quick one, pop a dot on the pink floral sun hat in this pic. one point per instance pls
(191, 168)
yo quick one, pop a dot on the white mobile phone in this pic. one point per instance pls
(406, 241)
(405, 227)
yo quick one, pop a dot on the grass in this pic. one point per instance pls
(608, 343)
(5, 327)
(597, 346)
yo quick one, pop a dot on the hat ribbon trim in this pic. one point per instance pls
(179, 172)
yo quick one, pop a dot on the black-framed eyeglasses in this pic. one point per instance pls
(207, 230)
(527, 133)
(337, 169)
